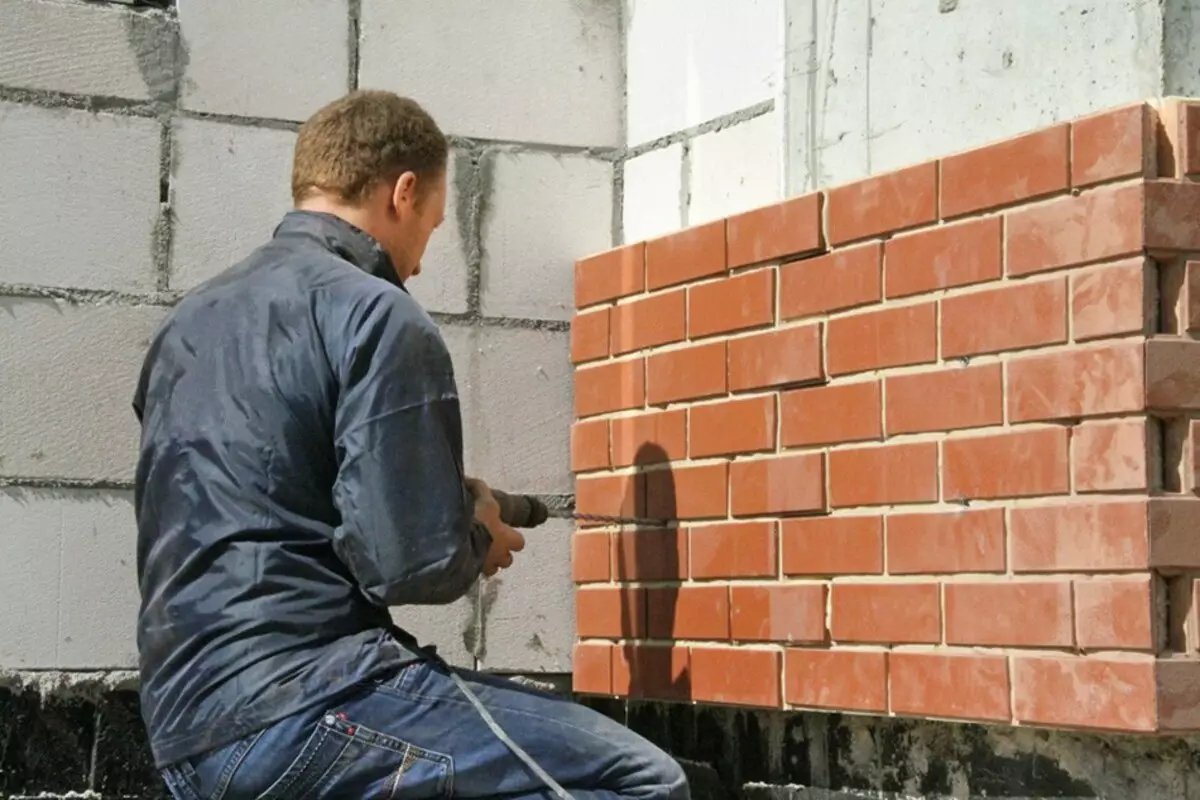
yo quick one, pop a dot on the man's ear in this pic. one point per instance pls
(404, 192)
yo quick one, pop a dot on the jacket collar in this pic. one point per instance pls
(348, 241)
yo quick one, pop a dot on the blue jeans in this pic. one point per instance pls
(414, 735)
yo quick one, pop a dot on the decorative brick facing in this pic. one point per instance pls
(928, 442)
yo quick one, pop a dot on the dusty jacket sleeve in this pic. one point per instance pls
(407, 532)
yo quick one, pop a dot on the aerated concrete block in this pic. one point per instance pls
(442, 284)
(652, 203)
(522, 70)
(452, 628)
(68, 579)
(735, 169)
(79, 198)
(516, 395)
(528, 610)
(543, 212)
(87, 49)
(68, 374)
(277, 59)
(690, 61)
(230, 187)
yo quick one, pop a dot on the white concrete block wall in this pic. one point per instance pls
(704, 132)
(143, 151)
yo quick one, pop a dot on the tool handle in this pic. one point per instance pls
(521, 510)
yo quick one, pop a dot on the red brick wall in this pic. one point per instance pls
(924, 441)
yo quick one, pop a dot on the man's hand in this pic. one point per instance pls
(505, 539)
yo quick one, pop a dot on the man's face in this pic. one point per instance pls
(418, 207)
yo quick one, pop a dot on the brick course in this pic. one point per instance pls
(924, 442)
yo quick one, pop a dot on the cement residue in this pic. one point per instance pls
(64, 684)
(154, 39)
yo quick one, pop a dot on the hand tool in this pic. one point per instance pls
(527, 511)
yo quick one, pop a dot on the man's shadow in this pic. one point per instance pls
(648, 665)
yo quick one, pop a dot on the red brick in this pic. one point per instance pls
(612, 495)
(775, 231)
(649, 322)
(1114, 613)
(650, 554)
(1171, 211)
(839, 545)
(966, 686)
(732, 304)
(883, 475)
(697, 492)
(882, 204)
(746, 425)
(1084, 692)
(835, 282)
(613, 386)
(686, 255)
(889, 337)
(609, 275)
(649, 438)
(1110, 456)
(852, 680)
(589, 445)
(847, 412)
(651, 671)
(1011, 318)
(1111, 145)
(945, 400)
(589, 335)
(1109, 301)
(1006, 172)
(1020, 614)
(1190, 118)
(1178, 694)
(782, 485)
(943, 257)
(736, 676)
(947, 542)
(591, 557)
(1080, 536)
(610, 612)
(688, 612)
(591, 668)
(1174, 520)
(1084, 382)
(734, 550)
(685, 374)
(1171, 366)
(1099, 224)
(1017, 464)
(777, 358)
(783, 613)
(896, 613)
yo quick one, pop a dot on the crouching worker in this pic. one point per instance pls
(300, 471)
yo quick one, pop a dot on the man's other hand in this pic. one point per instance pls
(505, 539)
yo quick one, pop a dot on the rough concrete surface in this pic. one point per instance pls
(279, 59)
(522, 70)
(70, 592)
(69, 373)
(78, 198)
(82, 48)
(449, 627)
(735, 169)
(873, 87)
(230, 186)
(690, 61)
(653, 194)
(528, 611)
(516, 394)
(541, 212)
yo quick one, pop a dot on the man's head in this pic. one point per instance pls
(378, 161)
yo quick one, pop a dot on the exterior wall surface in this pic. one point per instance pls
(917, 445)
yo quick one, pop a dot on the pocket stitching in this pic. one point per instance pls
(294, 770)
(234, 763)
(384, 742)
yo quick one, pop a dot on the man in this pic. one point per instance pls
(300, 472)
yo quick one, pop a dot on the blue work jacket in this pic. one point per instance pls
(300, 471)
